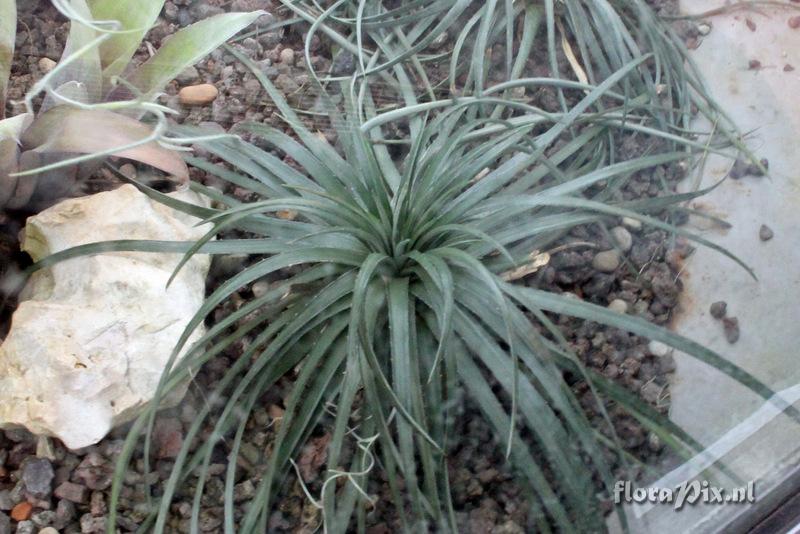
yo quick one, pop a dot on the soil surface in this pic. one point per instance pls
(68, 490)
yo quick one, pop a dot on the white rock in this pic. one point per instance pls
(659, 349)
(287, 56)
(88, 345)
(260, 288)
(46, 65)
(618, 305)
(632, 224)
(606, 261)
(622, 237)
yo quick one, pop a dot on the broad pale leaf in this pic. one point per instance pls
(66, 129)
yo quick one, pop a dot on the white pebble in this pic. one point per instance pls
(606, 261)
(618, 305)
(46, 65)
(632, 224)
(260, 288)
(287, 56)
(659, 349)
(622, 238)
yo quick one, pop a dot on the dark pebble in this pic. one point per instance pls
(72, 492)
(6, 501)
(719, 309)
(765, 233)
(37, 475)
(731, 326)
(742, 168)
(65, 513)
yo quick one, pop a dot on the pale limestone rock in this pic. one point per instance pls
(89, 342)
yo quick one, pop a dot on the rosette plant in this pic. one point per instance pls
(399, 254)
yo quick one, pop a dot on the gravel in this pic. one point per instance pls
(765, 233)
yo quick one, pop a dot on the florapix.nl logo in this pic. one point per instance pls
(690, 492)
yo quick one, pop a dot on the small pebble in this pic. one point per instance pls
(651, 392)
(22, 511)
(658, 348)
(6, 502)
(667, 364)
(5, 524)
(189, 75)
(44, 448)
(71, 492)
(654, 442)
(618, 305)
(704, 28)
(167, 437)
(260, 288)
(46, 65)
(26, 527)
(742, 168)
(65, 513)
(622, 237)
(287, 56)
(719, 309)
(632, 224)
(765, 233)
(287, 215)
(606, 261)
(44, 518)
(128, 170)
(731, 326)
(48, 530)
(37, 475)
(244, 491)
(794, 22)
(198, 95)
